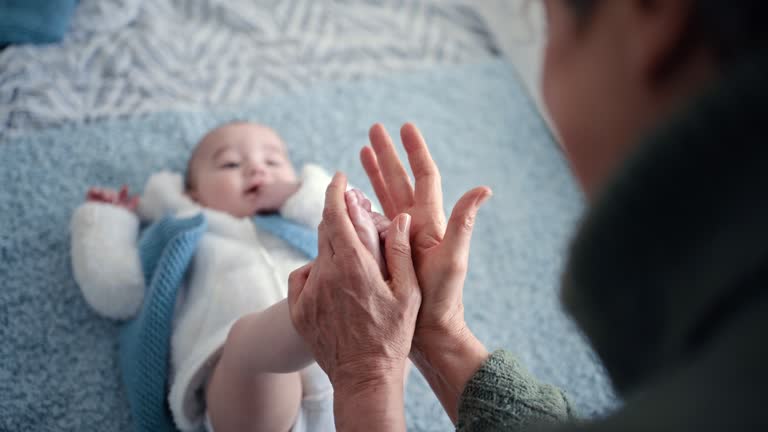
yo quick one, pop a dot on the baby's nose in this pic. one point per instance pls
(255, 169)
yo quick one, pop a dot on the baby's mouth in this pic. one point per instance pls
(253, 190)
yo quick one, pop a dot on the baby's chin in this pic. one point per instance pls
(246, 209)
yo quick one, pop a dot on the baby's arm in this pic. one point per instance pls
(105, 259)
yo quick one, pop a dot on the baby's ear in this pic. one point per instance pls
(191, 193)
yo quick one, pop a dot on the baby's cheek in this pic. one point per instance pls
(222, 195)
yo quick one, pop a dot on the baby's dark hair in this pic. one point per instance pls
(188, 181)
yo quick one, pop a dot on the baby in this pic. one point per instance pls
(236, 361)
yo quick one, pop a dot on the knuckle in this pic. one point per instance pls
(432, 175)
(293, 278)
(330, 213)
(401, 250)
(352, 257)
(467, 222)
(456, 265)
(353, 264)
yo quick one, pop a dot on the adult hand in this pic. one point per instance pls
(444, 349)
(358, 325)
(440, 251)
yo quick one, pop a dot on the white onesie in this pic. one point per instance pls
(237, 269)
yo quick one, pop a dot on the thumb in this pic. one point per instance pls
(296, 281)
(458, 233)
(397, 249)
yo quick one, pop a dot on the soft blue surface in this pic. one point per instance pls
(59, 368)
(34, 21)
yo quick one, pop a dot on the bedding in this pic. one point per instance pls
(59, 369)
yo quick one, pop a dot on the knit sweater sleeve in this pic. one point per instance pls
(502, 395)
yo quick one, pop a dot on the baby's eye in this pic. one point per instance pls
(230, 165)
(273, 162)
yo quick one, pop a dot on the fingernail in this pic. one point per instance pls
(403, 222)
(483, 198)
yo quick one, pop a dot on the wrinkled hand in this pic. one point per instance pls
(358, 324)
(119, 198)
(440, 251)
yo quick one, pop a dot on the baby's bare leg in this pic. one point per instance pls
(263, 402)
(255, 385)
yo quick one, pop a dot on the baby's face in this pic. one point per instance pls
(234, 165)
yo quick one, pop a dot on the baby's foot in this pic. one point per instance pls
(369, 225)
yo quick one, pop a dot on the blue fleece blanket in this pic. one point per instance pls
(59, 360)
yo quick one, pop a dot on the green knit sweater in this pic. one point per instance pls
(668, 278)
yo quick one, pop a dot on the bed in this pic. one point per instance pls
(135, 84)
(129, 57)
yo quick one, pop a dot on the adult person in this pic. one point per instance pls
(659, 105)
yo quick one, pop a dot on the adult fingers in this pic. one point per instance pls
(397, 249)
(395, 175)
(372, 169)
(458, 233)
(340, 231)
(427, 176)
(297, 280)
(324, 247)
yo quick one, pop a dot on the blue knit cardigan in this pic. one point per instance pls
(166, 249)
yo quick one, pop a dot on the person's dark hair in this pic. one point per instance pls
(734, 28)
